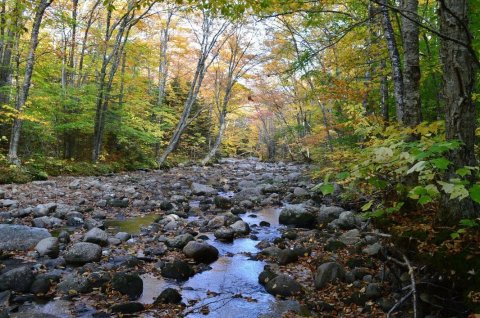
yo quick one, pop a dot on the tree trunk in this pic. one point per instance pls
(411, 76)
(394, 60)
(459, 71)
(218, 139)
(384, 94)
(23, 94)
(163, 65)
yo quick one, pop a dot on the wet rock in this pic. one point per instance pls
(290, 234)
(84, 252)
(130, 284)
(128, 307)
(225, 234)
(373, 249)
(217, 222)
(286, 256)
(283, 285)
(46, 222)
(240, 228)
(177, 269)
(247, 204)
(18, 279)
(96, 236)
(74, 282)
(297, 215)
(123, 236)
(169, 296)
(266, 276)
(350, 237)
(373, 291)
(20, 237)
(250, 194)
(180, 241)
(201, 252)
(166, 205)
(48, 246)
(202, 189)
(222, 202)
(264, 224)
(328, 272)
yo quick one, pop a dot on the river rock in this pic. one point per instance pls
(297, 215)
(130, 284)
(202, 189)
(74, 282)
(240, 227)
(300, 192)
(44, 209)
(373, 249)
(84, 252)
(350, 237)
(265, 276)
(123, 236)
(180, 241)
(328, 213)
(328, 272)
(20, 237)
(48, 246)
(216, 222)
(177, 269)
(284, 285)
(75, 184)
(222, 202)
(2, 194)
(18, 279)
(201, 252)
(169, 296)
(346, 221)
(225, 234)
(286, 256)
(373, 291)
(8, 203)
(43, 282)
(96, 236)
(46, 222)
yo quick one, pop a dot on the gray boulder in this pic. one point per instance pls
(48, 247)
(284, 285)
(216, 222)
(96, 236)
(84, 252)
(225, 234)
(180, 241)
(328, 272)
(18, 279)
(350, 237)
(297, 215)
(202, 189)
(130, 284)
(328, 213)
(20, 237)
(346, 221)
(240, 228)
(201, 252)
(179, 270)
(75, 282)
(46, 222)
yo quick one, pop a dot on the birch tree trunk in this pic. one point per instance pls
(411, 75)
(23, 94)
(395, 61)
(459, 71)
(206, 46)
(163, 65)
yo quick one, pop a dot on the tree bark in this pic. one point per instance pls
(412, 115)
(395, 61)
(23, 94)
(384, 94)
(459, 71)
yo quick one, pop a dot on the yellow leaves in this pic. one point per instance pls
(383, 154)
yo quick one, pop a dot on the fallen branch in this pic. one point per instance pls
(414, 286)
(398, 304)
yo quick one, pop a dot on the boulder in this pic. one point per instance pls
(48, 246)
(240, 228)
(373, 249)
(75, 282)
(96, 236)
(180, 241)
(84, 252)
(346, 221)
(202, 189)
(328, 272)
(222, 202)
(284, 285)
(201, 252)
(18, 279)
(225, 234)
(20, 237)
(169, 296)
(328, 213)
(297, 215)
(300, 192)
(123, 236)
(286, 256)
(43, 282)
(46, 222)
(130, 284)
(178, 270)
(216, 222)
(350, 237)
(44, 209)
(373, 291)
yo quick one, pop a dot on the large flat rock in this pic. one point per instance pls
(20, 237)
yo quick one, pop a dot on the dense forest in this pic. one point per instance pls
(377, 97)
